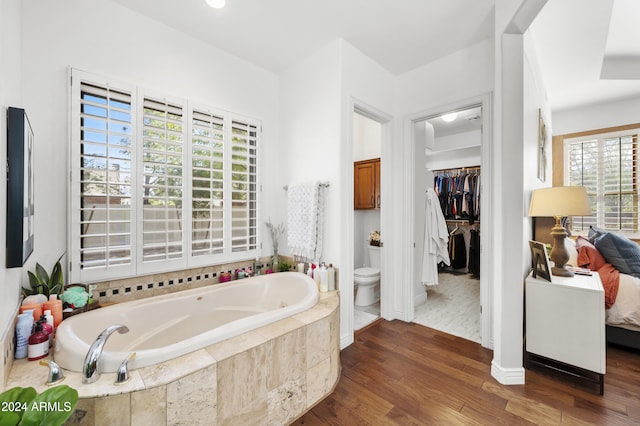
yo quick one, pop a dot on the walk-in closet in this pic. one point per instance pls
(448, 232)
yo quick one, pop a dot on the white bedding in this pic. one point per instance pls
(626, 309)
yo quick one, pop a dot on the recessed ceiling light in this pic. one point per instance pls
(448, 118)
(218, 4)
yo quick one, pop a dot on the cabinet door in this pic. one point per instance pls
(364, 196)
(376, 183)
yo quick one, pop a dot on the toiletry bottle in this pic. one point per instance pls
(47, 326)
(310, 271)
(23, 331)
(316, 275)
(324, 278)
(38, 344)
(331, 275)
(55, 306)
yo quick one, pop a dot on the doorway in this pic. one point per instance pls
(367, 153)
(449, 148)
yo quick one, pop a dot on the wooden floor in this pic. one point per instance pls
(399, 373)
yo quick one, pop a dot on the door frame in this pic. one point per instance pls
(487, 180)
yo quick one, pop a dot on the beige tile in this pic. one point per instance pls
(168, 371)
(318, 335)
(319, 382)
(325, 306)
(287, 356)
(242, 383)
(279, 328)
(233, 346)
(113, 410)
(287, 402)
(192, 400)
(149, 407)
(255, 414)
(84, 413)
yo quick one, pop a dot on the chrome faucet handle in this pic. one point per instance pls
(90, 365)
(122, 375)
(55, 372)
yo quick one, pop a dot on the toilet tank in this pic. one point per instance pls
(374, 256)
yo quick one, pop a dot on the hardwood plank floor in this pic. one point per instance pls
(398, 373)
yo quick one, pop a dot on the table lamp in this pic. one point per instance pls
(557, 202)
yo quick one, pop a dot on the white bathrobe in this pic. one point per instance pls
(436, 237)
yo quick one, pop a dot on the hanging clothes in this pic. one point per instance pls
(436, 236)
(457, 249)
(474, 252)
(458, 193)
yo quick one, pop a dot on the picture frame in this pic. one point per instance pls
(542, 147)
(540, 261)
(20, 188)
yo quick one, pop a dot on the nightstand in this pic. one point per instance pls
(565, 327)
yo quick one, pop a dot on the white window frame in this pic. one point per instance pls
(137, 265)
(600, 204)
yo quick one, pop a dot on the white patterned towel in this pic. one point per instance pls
(305, 215)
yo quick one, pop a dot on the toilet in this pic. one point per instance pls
(367, 279)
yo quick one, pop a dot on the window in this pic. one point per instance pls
(606, 164)
(156, 183)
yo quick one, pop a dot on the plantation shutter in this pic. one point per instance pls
(105, 177)
(607, 167)
(207, 182)
(244, 189)
(162, 180)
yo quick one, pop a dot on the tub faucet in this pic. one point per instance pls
(90, 365)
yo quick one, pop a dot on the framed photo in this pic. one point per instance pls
(20, 187)
(542, 147)
(540, 261)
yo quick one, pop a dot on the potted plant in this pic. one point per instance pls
(45, 283)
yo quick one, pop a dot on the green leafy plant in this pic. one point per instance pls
(24, 406)
(283, 266)
(42, 282)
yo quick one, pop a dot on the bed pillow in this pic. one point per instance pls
(621, 252)
(588, 255)
(570, 246)
(595, 233)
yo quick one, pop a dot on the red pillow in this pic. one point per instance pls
(588, 255)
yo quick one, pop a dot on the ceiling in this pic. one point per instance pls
(572, 37)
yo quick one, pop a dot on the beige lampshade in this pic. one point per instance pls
(560, 201)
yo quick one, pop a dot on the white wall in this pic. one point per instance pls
(598, 116)
(10, 95)
(66, 33)
(317, 131)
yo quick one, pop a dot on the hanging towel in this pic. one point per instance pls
(305, 217)
(436, 237)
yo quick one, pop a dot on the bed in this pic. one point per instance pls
(617, 260)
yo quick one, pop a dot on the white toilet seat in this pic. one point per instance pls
(366, 279)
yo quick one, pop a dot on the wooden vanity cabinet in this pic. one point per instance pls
(366, 184)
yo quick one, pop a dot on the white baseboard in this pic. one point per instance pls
(507, 376)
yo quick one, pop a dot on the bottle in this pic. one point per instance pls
(331, 275)
(55, 306)
(38, 344)
(310, 271)
(316, 275)
(23, 331)
(324, 278)
(47, 325)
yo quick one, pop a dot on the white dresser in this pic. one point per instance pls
(565, 323)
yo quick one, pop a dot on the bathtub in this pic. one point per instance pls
(165, 327)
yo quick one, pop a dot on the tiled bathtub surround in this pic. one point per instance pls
(271, 375)
(124, 290)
